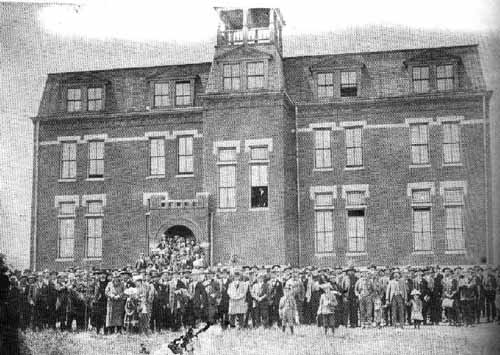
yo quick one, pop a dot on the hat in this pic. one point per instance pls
(53, 272)
(415, 292)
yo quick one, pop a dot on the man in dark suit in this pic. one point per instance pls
(200, 297)
(224, 298)
(276, 293)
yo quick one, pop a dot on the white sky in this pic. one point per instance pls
(153, 20)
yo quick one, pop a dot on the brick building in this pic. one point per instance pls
(378, 157)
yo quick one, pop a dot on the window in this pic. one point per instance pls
(444, 75)
(322, 149)
(419, 144)
(231, 76)
(68, 164)
(96, 159)
(259, 177)
(453, 203)
(354, 146)
(162, 95)
(94, 99)
(421, 79)
(185, 157)
(183, 93)
(74, 100)
(94, 229)
(421, 223)
(324, 222)
(157, 157)
(255, 75)
(355, 204)
(227, 178)
(451, 143)
(325, 85)
(66, 221)
(348, 84)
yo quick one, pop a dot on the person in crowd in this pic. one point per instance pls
(237, 292)
(326, 309)
(99, 303)
(224, 282)
(396, 295)
(416, 308)
(350, 299)
(436, 297)
(115, 304)
(364, 292)
(131, 318)
(468, 293)
(287, 309)
(490, 286)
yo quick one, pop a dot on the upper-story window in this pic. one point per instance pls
(183, 93)
(354, 146)
(451, 143)
(74, 100)
(162, 95)
(259, 176)
(322, 149)
(421, 79)
(94, 99)
(444, 77)
(419, 144)
(68, 161)
(325, 85)
(96, 159)
(157, 156)
(185, 155)
(255, 75)
(348, 84)
(231, 76)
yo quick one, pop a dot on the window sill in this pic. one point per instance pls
(455, 252)
(452, 165)
(62, 260)
(325, 255)
(150, 177)
(184, 175)
(354, 253)
(258, 209)
(423, 252)
(91, 259)
(354, 168)
(66, 180)
(322, 169)
(94, 179)
(225, 210)
(417, 166)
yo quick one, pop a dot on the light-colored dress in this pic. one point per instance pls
(288, 310)
(115, 307)
(237, 291)
(416, 310)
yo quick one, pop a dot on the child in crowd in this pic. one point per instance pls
(416, 309)
(326, 310)
(288, 309)
(131, 319)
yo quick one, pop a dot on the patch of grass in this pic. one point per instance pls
(438, 340)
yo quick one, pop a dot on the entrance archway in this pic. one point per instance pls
(179, 231)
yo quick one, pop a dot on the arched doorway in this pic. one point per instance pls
(179, 232)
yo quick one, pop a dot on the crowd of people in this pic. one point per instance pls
(149, 298)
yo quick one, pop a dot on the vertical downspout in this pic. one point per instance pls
(486, 181)
(211, 238)
(297, 185)
(34, 197)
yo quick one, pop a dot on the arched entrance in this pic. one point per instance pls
(178, 232)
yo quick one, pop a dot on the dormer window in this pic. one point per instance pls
(421, 79)
(74, 100)
(231, 77)
(444, 77)
(162, 95)
(94, 99)
(255, 75)
(325, 85)
(183, 93)
(348, 84)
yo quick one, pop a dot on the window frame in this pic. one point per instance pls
(326, 86)
(184, 95)
(158, 157)
(324, 210)
(93, 216)
(99, 100)
(445, 78)
(418, 207)
(66, 217)
(163, 96)
(349, 84)
(97, 160)
(350, 207)
(222, 164)
(261, 163)
(185, 156)
(454, 142)
(323, 149)
(356, 149)
(454, 205)
(70, 101)
(255, 75)
(419, 145)
(232, 78)
(70, 161)
(421, 80)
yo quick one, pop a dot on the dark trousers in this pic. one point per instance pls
(398, 312)
(479, 306)
(352, 312)
(491, 311)
(223, 317)
(237, 317)
(274, 314)
(467, 307)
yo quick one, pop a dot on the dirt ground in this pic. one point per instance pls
(482, 339)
